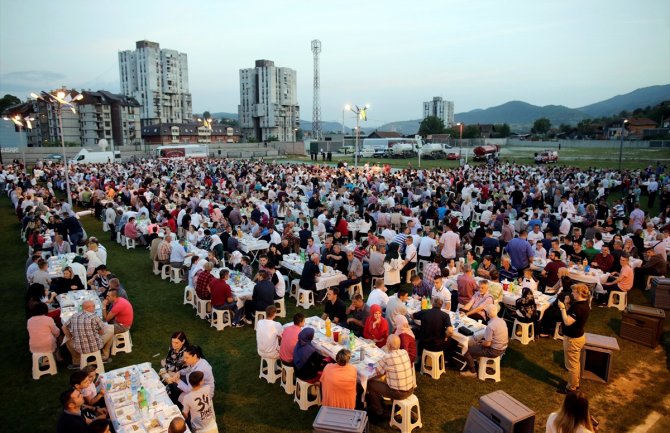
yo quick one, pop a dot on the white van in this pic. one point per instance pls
(85, 156)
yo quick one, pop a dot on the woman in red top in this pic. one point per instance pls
(341, 225)
(407, 339)
(376, 327)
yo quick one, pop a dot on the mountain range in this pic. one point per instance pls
(521, 115)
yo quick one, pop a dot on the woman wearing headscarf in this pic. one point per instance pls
(376, 328)
(392, 266)
(526, 310)
(407, 338)
(308, 363)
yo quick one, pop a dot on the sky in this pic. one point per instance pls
(390, 54)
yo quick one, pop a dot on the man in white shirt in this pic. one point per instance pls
(427, 246)
(268, 334)
(411, 257)
(487, 215)
(564, 228)
(275, 238)
(280, 287)
(388, 234)
(449, 241)
(536, 235)
(378, 295)
(566, 206)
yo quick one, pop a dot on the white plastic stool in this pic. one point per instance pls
(118, 237)
(410, 273)
(157, 267)
(281, 307)
(288, 379)
(355, 289)
(268, 370)
(618, 300)
(176, 274)
(406, 414)
(486, 363)
(130, 243)
(122, 343)
(220, 319)
(84, 361)
(557, 332)
(204, 307)
(436, 366)
(301, 395)
(189, 296)
(165, 272)
(50, 362)
(259, 315)
(295, 286)
(527, 331)
(287, 282)
(123, 241)
(305, 298)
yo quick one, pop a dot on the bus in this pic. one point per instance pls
(182, 151)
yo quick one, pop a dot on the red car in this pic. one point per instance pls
(453, 156)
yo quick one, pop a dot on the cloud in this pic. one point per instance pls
(27, 81)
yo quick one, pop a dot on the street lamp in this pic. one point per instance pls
(460, 140)
(623, 127)
(361, 113)
(60, 100)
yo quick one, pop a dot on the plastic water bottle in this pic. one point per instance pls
(587, 269)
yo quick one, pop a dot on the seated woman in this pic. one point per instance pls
(407, 339)
(194, 360)
(93, 262)
(174, 360)
(42, 331)
(274, 255)
(37, 294)
(376, 328)
(308, 363)
(338, 382)
(69, 281)
(526, 310)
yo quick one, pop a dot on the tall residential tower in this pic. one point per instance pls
(158, 79)
(440, 108)
(268, 102)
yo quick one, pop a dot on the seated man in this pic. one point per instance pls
(222, 297)
(354, 273)
(87, 333)
(178, 254)
(493, 345)
(335, 308)
(419, 288)
(466, 285)
(411, 258)
(549, 276)
(289, 339)
(435, 328)
(357, 313)
(121, 313)
(485, 268)
(268, 334)
(655, 265)
(603, 260)
(618, 281)
(71, 419)
(396, 305)
(202, 280)
(130, 231)
(378, 295)
(263, 295)
(399, 383)
(476, 308)
(310, 273)
(507, 271)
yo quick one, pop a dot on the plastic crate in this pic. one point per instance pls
(477, 422)
(336, 420)
(507, 412)
(643, 325)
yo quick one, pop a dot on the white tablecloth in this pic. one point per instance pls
(326, 280)
(121, 400)
(70, 303)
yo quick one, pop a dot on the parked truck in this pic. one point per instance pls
(487, 153)
(435, 150)
(546, 157)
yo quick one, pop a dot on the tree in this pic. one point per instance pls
(206, 115)
(8, 101)
(501, 130)
(541, 126)
(471, 131)
(431, 125)
(299, 134)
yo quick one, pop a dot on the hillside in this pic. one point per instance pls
(639, 98)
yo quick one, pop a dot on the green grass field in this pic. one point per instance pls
(244, 403)
(632, 158)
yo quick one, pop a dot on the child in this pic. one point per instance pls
(81, 381)
(199, 406)
(527, 280)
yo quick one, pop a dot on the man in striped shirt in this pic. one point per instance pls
(400, 239)
(400, 382)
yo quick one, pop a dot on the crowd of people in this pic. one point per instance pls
(457, 236)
